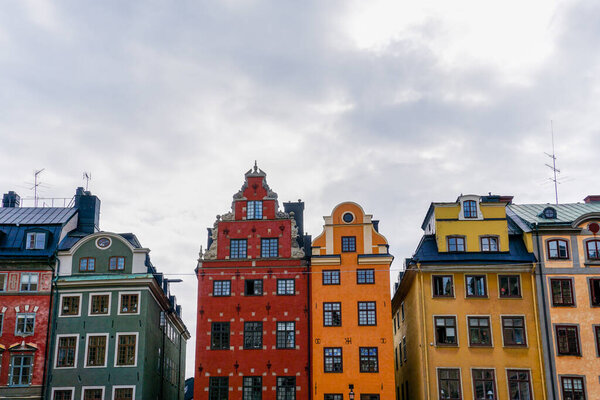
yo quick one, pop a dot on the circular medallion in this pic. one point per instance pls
(348, 217)
(103, 242)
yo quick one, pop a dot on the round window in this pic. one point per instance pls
(348, 217)
(103, 242)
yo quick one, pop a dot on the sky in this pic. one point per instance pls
(389, 103)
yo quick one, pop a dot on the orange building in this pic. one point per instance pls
(352, 342)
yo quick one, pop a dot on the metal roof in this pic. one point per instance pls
(565, 213)
(35, 215)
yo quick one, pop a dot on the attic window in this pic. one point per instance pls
(549, 213)
(255, 210)
(35, 241)
(470, 209)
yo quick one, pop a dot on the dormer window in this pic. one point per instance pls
(456, 243)
(549, 213)
(470, 209)
(255, 210)
(489, 243)
(35, 241)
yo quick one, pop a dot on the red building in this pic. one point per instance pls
(252, 338)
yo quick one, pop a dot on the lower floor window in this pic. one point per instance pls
(252, 388)
(366, 396)
(218, 388)
(93, 394)
(286, 388)
(449, 384)
(572, 388)
(519, 384)
(63, 394)
(21, 370)
(334, 396)
(123, 394)
(484, 384)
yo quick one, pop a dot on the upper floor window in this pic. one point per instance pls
(286, 287)
(445, 330)
(25, 325)
(35, 241)
(572, 387)
(116, 263)
(509, 285)
(127, 393)
(479, 331)
(567, 338)
(100, 304)
(331, 277)
(253, 287)
(21, 370)
(70, 305)
(332, 358)
(513, 331)
(62, 394)
(562, 292)
(29, 282)
(443, 286)
(253, 332)
(269, 247)
(219, 338)
(367, 313)
(66, 351)
(595, 291)
(221, 288)
(348, 244)
(1, 322)
(129, 303)
(286, 388)
(489, 243)
(557, 249)
(593, 249)
(476, 286)
(286, 335)
(332, 314)
(87, 264)
(484, 384)
(3, 282)
(449, 384)
(238, 248)
(126, 350)
(519, 384)
(365, 276)
(470, 209)
(369, 359)
(255, 210)
(456, 243)
(218, 387)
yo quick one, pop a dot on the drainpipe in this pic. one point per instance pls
(51, 322)
(424, 334)
(179, 370)
(537, 331)
(309, 336)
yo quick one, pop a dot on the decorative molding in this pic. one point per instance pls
(211, 253)
(297, 252)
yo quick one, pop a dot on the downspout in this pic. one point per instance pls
(537, 331)
(162, 358)
(51, 321)
(309, 336)
(179, 370)
(424, 334)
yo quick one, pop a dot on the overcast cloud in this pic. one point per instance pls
(391, 104)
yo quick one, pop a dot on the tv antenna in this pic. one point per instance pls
(88, 177)
(553, 166)
(36, 183)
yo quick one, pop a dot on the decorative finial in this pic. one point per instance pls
(255, 166)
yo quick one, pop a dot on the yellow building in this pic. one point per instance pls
(566, 242)
(465, 309)
(351, 310)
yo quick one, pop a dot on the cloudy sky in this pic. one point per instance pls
(389, 103)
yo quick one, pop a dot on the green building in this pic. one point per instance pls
(117, 331)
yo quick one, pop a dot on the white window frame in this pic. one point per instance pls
(3, 287)
(137, 343)
(114, 389)
(71, 389)
(35, 241)
(109, 303)
(60, 313)
(17, 324)
(139, 293)
(21, 282)
(76, 335)
(1, 322)
(84, 388)
(87, 343)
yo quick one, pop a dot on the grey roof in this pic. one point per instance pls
(35, 215)
(565, 213)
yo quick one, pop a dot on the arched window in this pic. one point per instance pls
(593, 249)
(470, 209)
(558, 249)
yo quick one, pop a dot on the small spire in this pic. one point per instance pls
(255, 166)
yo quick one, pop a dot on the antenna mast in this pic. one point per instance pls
(553, 166)
(87, 176)
(35, 185)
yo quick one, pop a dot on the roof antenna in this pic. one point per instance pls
(35, 185)
(88, 177)
(553, 166)
(255, 166)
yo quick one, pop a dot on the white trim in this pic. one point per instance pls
(114, 389)
(437, 380)
(87, 342)
(103, 237)
(84, 388)
(76, 335)
(497, 396)
(455, 330)
(60, 312)
(139, 306)
(109, 294)
(469, 333)
(461, 212)
(3, 288)
(71, 389)
(137, 341)
(515, 346)
(530, 380)
(353, 217)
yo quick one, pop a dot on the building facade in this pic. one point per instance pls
(252, 338)
(465, 310)
(566, 243)
(352, 342)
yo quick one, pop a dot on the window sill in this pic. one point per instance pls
(477, 297)
(515, 346)
(564, 305)
(446, 345)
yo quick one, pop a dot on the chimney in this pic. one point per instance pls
(88, 207)
(297, 207)
(592, 198)
(11, 200)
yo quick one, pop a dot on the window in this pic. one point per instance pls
(367, 314)
(253, 287)
(286, 335)
(443, 286)
(402, 310)
(253, 335)
(484, 384)
(286, 287)
(21, 369)
(470, 209)
(558, 249)
(332, 314)
(35, 241)
(218, 388)
(70, 305)
(365, 276)
(255, 210)
(29, 282)
(238, 248)
(519, 384)
(513, 331)
(597, 334)
(479, 331)
(66, 351)
(129, 303)
(567, 340)
(123, 393)
(333, 396)
(593, 249)
(126, 349)
(331, 277)
(456, 243)
(2, 282)
(116, 263)
(219, 336)
(476, 286)
(333, 359)
(369, 360)
(562, 292)
(93, 394)
(25, 325)
(286, 388)
(405, 352)
(348, 244)
(252, 388)
(573, 388)
(221, 288)
(445, 331)
(1, 323)
(87, 264)
(96, 351)
(510, 285)
(269, 247)
(62, 394)
(449, 383)
(489, 243)
(99, 304)
(369, 396)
